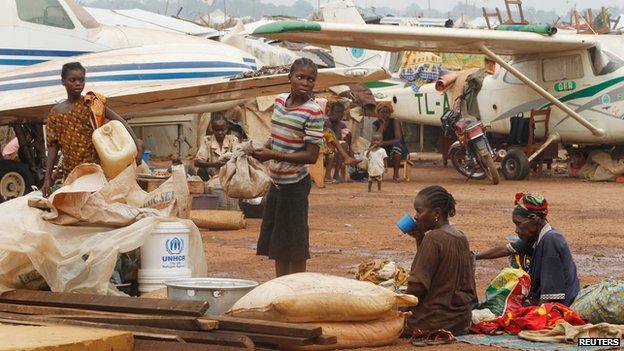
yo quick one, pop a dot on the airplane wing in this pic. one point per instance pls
(29, 94)
(398, 38)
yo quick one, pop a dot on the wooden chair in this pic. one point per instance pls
(405, 169)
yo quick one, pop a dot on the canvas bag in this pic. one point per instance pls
(243, 177)
(315, 297)
(87, 197)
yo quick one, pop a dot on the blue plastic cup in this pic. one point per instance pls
(146, 156)
(406, 224)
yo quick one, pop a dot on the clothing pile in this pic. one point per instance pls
(383, 272)
(505, 296)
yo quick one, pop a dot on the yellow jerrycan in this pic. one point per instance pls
(115, 147)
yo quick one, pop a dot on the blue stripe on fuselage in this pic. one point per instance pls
(29, 52)
(18, 62)
(123, 77)
(135, 66)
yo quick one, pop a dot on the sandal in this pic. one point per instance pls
(440, 337)
(419, 337)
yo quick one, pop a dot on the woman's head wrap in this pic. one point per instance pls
(382, 104)
(531, 206)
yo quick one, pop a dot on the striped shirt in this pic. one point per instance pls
(291, 129)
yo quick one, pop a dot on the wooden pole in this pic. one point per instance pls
(422, 137)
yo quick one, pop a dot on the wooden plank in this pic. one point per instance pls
(268, 339)
(166, 322)
(232, 339)
(266, 327)
(148, 336)
(152, 345)
(207, 324)
(326, 340)
(106, 303)
(62, 337)
(44, 310)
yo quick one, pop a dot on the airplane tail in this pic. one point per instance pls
(345, 11)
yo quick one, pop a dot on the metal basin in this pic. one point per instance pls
(221, 293)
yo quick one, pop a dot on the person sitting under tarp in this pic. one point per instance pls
(393, 140)
(213, 148)
(552, 269)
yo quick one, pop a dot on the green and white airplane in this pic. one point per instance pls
(581, 77)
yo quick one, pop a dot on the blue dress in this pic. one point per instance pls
(553, 271)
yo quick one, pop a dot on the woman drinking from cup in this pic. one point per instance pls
(442, 275)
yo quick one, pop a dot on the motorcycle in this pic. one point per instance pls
(471, 155)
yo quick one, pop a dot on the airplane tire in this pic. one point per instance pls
(15, 179)
(515, 165)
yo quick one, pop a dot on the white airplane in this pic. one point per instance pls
(581, 77)
(141, 71)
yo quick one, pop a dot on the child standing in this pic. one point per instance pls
(376, 157)
(296, 135)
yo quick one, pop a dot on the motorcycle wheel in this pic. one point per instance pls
(463, 165)
(487, 162)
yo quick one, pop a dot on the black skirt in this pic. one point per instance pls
(284, 234)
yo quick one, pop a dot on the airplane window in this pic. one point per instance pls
(528, 68)
(46, 12)
(604, 62)
(563, 67)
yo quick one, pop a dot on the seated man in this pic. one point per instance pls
(552, 270)
(213, 147)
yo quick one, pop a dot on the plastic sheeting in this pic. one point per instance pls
(110, 218)
(71, 258)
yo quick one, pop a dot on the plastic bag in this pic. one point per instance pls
(243, 177)
(72, 258)
(510, 287)
(314, 297)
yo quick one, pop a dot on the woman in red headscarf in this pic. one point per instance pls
(552, 270)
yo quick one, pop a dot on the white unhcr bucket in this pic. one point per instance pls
(153, 279)
(164, 256)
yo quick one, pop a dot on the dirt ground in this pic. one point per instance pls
(349, 226)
